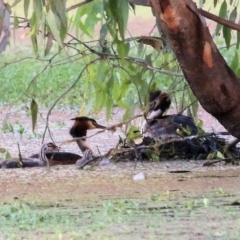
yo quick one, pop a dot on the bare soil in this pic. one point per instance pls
(195, 202)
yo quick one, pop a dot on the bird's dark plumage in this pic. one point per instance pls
(60, 158)
(158, 124)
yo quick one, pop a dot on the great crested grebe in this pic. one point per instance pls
(31, 162)
(79, 130)
(159, 125)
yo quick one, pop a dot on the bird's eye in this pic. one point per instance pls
(51, 145)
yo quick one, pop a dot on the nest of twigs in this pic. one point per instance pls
(208, 146)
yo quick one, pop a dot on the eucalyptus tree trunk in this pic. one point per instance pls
(211, 79)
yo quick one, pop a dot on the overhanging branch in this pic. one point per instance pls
(204, 13)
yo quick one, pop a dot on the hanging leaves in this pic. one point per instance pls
(34, 113)
(123, 49)
(222, 14)
(5, 12)
(53, 26)
(49, 44)
(227, 35)
(119, 11)
(26, 7)
(235, 62)
(233, 15)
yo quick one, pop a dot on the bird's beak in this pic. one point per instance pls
(98, 125)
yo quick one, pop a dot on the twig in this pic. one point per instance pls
(204, 13)
(227, 160)
(64, 93)
(219, 20)
(78, 5)
(129, 59)
(187, 106)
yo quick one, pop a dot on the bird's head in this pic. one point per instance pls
(49, 147)
(82, 124)
(159, 102)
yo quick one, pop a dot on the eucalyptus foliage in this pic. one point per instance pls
(113, 69)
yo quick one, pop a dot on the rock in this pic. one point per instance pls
(139, 176)
(104, 162)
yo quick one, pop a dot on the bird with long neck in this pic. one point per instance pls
(160, 125)
(79, 131)
(31, 162)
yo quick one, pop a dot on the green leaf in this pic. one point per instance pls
(238, 39)
(59, 10)
(34, 113)
(49, 43)
(5, 12)
(34, 25)
(195, 105)
(103, 32)
(119, 11)
(123, 18)
(211, 156)
(215, 3)
(51, 20)
(26, 6)
(20, 160)
(133, 132)
(34, 43)
(227, 36)
(15, 22)
(88, 16)
(15, 3)
(140, 49)
(222, 14)
(8, 155)
(235, 62)
(233, 15)
(148, 59)
(219, 155)
(123, 49)
(223, 10)
(132, 7)
(109, 105)
(38, 8)
(200, 123)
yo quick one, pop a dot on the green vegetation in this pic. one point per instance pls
(103, 68)
(142, 217)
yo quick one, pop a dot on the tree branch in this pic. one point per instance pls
(204, 13)
(129, 59)
(219, 20)
(78, 5)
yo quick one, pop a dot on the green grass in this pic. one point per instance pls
(163, 215)
(22, 81)
(27, 79)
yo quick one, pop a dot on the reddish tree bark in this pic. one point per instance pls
(212, 81)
